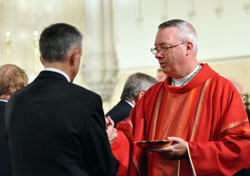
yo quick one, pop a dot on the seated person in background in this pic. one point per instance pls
(12, 78)
(161, 76)
(244, 96)
(135, 87)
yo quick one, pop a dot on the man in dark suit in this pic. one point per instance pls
(135, 87)
(12, 78)
(54, 127)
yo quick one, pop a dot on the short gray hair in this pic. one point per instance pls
(57, 40)
(135, 83)
(186, 31)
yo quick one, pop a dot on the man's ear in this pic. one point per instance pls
(190, 47)
(140, 94)
(75, 55)
(41, 59)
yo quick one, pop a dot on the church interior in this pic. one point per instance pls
(118, 35)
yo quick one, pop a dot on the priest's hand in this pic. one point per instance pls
(111, 131)
(178, 149)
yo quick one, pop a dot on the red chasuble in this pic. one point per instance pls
(207, 112)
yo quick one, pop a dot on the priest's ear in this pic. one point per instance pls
(190, 47)
(140, 94)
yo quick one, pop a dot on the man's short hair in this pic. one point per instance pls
(186, 31)
(135, 83)
(12, 78)
(57, 40)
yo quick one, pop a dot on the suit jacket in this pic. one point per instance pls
(56, 128)
(5, 161)
(120, 111)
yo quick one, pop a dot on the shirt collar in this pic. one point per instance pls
(4, 100)
(57, 71)
(131, 104)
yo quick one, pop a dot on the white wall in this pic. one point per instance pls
(219, 37)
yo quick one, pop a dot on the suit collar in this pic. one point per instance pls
(126, 103)
(51, 75)
(57, 71)
(131, 104)
(3, 103)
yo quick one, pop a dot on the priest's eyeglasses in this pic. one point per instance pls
(163, 49)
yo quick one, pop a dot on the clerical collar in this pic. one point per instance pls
(183, 81)
(57, 71)
(4, 100)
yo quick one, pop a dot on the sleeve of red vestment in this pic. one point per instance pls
(121, 150)
(227, 150)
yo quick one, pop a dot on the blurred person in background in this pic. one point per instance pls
(161, 76)
(12, 78)
(135, 87)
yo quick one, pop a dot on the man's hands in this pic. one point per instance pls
(111, 131)
(177, 150)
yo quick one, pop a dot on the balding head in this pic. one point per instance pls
(12, 78)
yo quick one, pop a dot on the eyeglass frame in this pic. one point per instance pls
(160, 49)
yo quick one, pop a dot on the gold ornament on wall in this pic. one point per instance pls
(191, 14)
(139, 19)
(8, 46)
(246, 7)
(219, 10)
(36, 53)
(165, 11)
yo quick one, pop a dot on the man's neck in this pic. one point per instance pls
(58, 71)
(184, 80)
(5, 97)
(186, 72)
(58, 66)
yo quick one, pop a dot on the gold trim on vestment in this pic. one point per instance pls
(136, 165)
(179, 167)
(128, 121)
(190, 160)
(157, 109)
(197, 117)
(232, 125)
